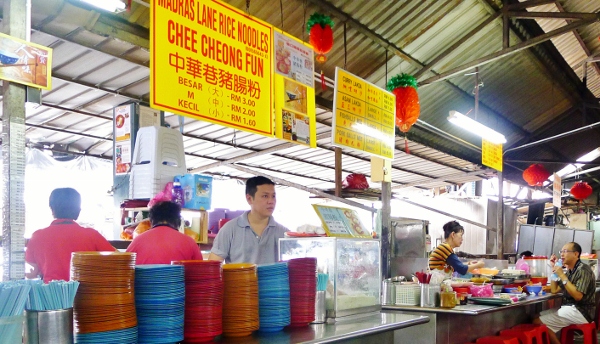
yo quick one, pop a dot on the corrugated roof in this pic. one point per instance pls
(96, 69)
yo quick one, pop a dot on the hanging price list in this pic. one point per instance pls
(363, 116)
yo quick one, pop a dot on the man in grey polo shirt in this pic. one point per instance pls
(253, 236)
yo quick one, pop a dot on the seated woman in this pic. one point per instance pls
(444, 258)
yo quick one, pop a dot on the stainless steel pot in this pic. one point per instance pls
(388, 289)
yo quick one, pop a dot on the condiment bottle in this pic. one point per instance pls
(448, 299)
(177, 193)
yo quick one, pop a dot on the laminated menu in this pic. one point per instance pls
(341, 222)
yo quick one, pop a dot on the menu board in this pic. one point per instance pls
(122, 134)
(341, 222)
(295, 118)
(212, 62)
(491, 154)
(363, 116)
(557, 191)
(25, 63)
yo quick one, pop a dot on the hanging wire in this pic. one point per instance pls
(304, 21)
(234, 139)
(248, 6)
(345, 52)
(281, 10)
(386, 66)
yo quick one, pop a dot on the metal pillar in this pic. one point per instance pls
(16, 22)
(500, 219)
(386, 232)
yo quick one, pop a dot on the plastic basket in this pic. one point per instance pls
(408, 295)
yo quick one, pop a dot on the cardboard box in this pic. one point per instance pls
(198, 224)
(197, 191)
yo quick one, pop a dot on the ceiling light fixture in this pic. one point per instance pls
(107, 5)
(476, 128)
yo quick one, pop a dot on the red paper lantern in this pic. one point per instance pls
(536, 175)
(581, 190)
(320, 34)
(408, 109)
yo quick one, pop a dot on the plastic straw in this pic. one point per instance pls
(322, 281)
(52, 296)
(13, 297)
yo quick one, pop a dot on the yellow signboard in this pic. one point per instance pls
(295, 118)
(491, 155)
(25, 62)
(363, 116)
(212, 62)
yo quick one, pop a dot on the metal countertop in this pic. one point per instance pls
(473, 309)
(348, 328)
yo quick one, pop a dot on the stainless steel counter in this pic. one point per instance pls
(473, 309)
(466, 323)
(366, 328)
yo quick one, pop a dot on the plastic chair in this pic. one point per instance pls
(541, 331)
(498, 340)
(597, 320)
(526, 336)
(589, 333)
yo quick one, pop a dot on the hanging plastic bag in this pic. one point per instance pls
(163, 196)
(355, 181)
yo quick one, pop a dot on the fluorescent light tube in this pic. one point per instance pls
(476, 128)
(108, 5)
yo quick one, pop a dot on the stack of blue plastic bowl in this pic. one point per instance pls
(273, 297)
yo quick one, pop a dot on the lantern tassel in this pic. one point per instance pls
(406, 145)
(323, 84)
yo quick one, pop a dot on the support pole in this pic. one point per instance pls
(500, 219)
(338, 172)
(15, 23)
(386, 230)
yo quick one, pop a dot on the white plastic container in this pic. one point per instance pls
(158, 157)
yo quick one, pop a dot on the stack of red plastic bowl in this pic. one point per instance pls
(303, 290)
(203, 300)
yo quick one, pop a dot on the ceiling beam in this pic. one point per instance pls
(528, 4)
(550, 162)
(145, 97)
(595, 64)
(454, 46)
(508, 51)
(552, 15)
(443, 179)
(254, 154)
(367, 32)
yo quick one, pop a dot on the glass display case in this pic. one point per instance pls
(353, 266)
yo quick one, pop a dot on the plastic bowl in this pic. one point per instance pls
(536, 289)
(8, 58)
(542, 280)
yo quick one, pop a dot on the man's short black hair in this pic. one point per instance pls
(576, 248)
(65, 203)
(253, 183)
(167, 213)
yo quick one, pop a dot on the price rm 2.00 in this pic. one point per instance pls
(243, 110)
